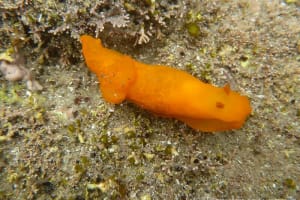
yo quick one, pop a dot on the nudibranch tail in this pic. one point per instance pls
(115, 71)
(91, 48)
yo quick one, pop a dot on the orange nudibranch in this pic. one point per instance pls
(164, 90)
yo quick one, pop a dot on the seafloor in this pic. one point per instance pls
(65, 142)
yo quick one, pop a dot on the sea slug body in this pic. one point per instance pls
(164, 90)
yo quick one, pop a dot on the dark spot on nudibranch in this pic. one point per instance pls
(219, 105)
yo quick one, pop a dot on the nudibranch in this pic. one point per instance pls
(164, 90)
